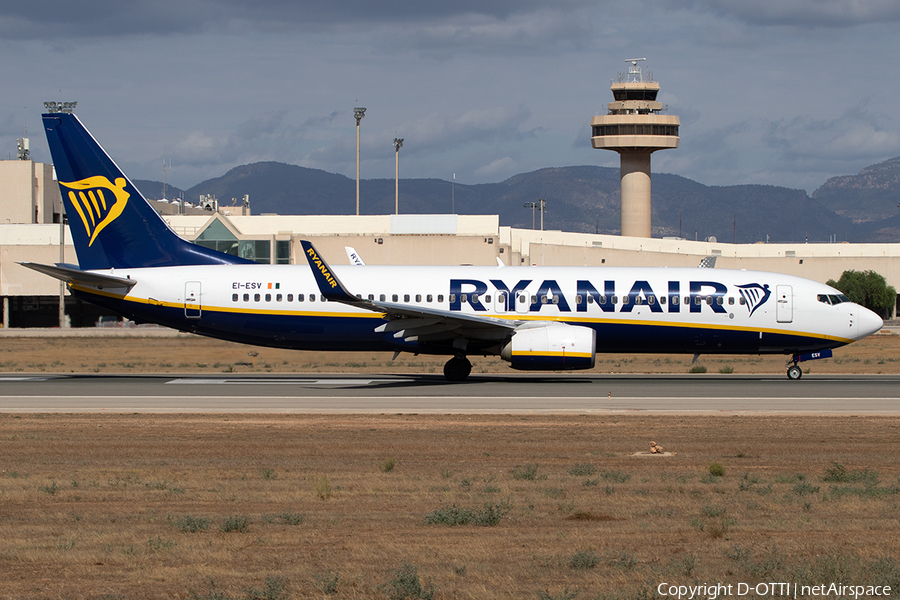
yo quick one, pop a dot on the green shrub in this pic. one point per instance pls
(457, 515)
(527, 472)
(582, 469)
(581, 561)
(327, 583)
(387, 466)
(716, 470)
(805, 488)
(837, 473)
(239, 523)
(406, 585)
(189, 524)
(727, 370)
(697, 369)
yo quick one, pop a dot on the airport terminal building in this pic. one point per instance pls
(33, 229)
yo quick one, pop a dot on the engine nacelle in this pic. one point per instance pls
(549, 347)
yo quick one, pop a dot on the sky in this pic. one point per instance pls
(774, 92)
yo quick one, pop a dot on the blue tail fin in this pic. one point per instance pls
(112, 225)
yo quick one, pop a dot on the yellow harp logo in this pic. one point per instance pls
(96, 207)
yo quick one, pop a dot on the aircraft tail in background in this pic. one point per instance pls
(112, 224)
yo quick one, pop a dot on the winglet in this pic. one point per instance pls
(329, 285)
(353, 255)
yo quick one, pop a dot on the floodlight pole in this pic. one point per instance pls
(398, 143)
(359, 113)
(532, 206)
(543, 208)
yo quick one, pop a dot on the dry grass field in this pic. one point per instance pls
(194, 354)
(249, 507)
(408, 506)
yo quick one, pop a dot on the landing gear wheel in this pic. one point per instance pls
(794, 372)
(457, 368)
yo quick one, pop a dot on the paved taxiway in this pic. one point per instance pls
(517, 393)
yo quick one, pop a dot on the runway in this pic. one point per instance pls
(506, 394)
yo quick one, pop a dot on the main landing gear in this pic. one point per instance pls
(794, 371)
(457, 368)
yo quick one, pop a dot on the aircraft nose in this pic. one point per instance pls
(869, 323)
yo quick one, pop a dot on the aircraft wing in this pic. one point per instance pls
(410, 322)
(74, 276)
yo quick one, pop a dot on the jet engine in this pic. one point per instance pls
(550, 347)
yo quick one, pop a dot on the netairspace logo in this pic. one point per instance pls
(774, 589)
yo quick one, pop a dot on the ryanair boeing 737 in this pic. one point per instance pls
(536, 318)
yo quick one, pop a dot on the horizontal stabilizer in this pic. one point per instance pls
(78, 277)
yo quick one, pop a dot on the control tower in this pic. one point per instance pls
(635, 129)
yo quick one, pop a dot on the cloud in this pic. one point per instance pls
(111, 18)
(802, 13)
(504, 165)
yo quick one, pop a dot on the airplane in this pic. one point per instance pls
(535, 318)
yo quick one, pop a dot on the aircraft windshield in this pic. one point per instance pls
(833, 299)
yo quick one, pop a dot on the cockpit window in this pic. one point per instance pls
(833, 299)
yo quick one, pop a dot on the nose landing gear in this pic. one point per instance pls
(457, 368)
(793, 369)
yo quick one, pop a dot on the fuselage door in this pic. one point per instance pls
(500, 302)
(522, 304)
(192, 299)
(784, 305)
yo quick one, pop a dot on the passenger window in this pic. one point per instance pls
(395, 298)
(709, 300)
(428, 298)
(731, 301)
(463, 298)
(278, 297)
(638, 300)
(675, 300)
(543, 299)
(234, 297)
(487, 298)
(452, 298)
(625, 300)
(256, 297)
(418, 297)
(290, 297)
(534, 299)
(555, 299)
(371, 296)
(440, 298)
(246, 297)
(521, 299)
(268, 297)
(406, 297)
(312, 297)
(742, 301)
(299, 297)
(662, 299)
(651, 300)
(578, 299)
(698, 300)
(614, 299)
(381, 298)
(720, 300)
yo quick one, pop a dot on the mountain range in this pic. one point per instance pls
(856, 208)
